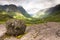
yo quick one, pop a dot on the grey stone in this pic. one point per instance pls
(15, 27)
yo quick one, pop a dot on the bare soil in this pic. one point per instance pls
(44, 31)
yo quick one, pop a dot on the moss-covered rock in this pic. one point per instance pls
(15, 27)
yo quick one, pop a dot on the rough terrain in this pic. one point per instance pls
(44, 31)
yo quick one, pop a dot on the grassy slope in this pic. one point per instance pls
(4, 16)
(55, 18)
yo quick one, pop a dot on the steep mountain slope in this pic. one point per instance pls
(22, 10)
(13, 8)
(49, 11)
(53, 9)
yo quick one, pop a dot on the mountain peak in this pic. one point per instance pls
(14, 8)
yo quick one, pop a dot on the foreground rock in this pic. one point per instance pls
(45, 31)
(15, 27)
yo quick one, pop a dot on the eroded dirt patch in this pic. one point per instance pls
(44, 31)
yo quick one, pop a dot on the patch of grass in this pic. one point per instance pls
(20, 36)
(55, 17)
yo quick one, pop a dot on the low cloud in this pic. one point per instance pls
(32, 6)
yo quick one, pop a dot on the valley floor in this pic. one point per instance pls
(43, 31)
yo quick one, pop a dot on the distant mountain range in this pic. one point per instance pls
(49, 11)
(14, 8)
(40, 14)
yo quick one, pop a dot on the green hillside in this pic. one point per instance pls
(4, 16)
(53, 17)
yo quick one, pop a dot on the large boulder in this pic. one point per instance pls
(15, 27)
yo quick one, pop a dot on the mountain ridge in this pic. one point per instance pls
(49, 11)
(14, 8)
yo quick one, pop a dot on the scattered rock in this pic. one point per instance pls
(44, 31)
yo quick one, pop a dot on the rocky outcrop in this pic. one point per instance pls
(15, 27)
(44, 31)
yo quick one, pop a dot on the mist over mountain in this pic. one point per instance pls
(53, 9)
(14, 8)
(48, 11)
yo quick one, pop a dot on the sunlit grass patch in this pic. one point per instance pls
(20, 35)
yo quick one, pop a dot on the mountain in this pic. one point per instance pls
(53, 9)
(23, 11)
(13, 8)
(46, 12)
(40, 14)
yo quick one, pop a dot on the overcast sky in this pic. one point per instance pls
(32, 6)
